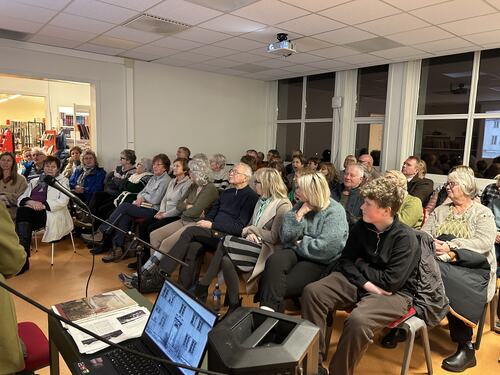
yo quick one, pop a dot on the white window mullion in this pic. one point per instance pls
(472, 104)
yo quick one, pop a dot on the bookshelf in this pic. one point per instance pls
(75, 120)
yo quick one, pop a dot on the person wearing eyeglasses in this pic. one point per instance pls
(464, 235)
(88, 177)
(36, 168)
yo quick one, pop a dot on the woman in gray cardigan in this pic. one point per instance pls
(259, 240)
(313, 235)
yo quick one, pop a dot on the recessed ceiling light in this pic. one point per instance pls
(223, 5)
(156, 25)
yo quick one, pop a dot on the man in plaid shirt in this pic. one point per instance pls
(490, 192)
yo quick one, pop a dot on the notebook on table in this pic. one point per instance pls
(177, 330)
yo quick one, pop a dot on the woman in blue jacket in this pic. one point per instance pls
(88, 177)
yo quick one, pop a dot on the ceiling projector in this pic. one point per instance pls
(282, 47)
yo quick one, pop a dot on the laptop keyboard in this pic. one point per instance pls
(129, 364)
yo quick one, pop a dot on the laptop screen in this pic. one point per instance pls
(179, 326)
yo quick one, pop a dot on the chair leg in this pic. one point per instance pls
(479, 333)
(427, 349)
(328, 331)
(36, 241)
(72, 241)
(53, 245)
(408, 349)
(493, 308)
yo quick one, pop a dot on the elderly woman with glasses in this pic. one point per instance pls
(464, 232)
(260, 239)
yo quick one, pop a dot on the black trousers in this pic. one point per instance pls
(28, 220)
(151, 224)
(285, 275)
(192, 244)
(101, 204)
(459, 331)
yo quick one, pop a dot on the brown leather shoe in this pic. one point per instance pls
(114, 255)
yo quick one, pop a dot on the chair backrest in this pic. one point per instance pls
(37, 346)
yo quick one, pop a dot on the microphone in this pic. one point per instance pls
(52, 181)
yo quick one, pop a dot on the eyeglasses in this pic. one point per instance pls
(450, 184)
(234, 171)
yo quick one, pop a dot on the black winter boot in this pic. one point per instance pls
(463, 358)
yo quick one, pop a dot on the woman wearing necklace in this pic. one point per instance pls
(464, 232)
(12, 184)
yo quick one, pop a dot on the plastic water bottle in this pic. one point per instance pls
(216, 297)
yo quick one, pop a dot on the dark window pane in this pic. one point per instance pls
(369, 141)
(445, 84)
(290, 98)
(485, 147)
(488, 88)
(287, 140)
(440, 143)
(319, 93)
(372, 91)
(317, 138)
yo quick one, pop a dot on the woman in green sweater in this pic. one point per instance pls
(411, 212)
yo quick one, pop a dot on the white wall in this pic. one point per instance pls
(207, 112)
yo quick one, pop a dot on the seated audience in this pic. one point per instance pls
(491, 192)
(260, 160)
(145, 206)
(168, 212)
(229, 215)
(349, 159)
(313, 163)
(260, 239)
(410, 212)
(219, 173)
(43, 206)
(12, 258)
(12, 184)
(375, 277)
(253, 153)
(250, 161)
(26, 161)
(72, 162)
(330, 173)
(292, 197)
(183, 153)
(88, 177)
(273, 154)
(495, 208)
(295, 153)
(464, 233)
(298, 162)
(280, 167)
(313, 235)
(348, 193)
(371, 172)
(418, 186)
(36, 168)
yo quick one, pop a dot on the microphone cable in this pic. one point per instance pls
(100, 338)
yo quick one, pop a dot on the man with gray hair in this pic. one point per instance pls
(367, 161)
(347, 192)
(229, 215)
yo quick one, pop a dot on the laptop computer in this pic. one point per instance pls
(177, 330)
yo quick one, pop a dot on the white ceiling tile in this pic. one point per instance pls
(453, 10)
(315, 5)
(197, 34)
(132, 4)
(345, 35)
(57, 32)
(100, 11)
(214, 51)
(311, 24)
(270, 12)
(240, 44)
(398, 52)
(329, 64)
(358, 11)
(109, 41)
(473, 25)
(192, 57)
(310, 44)
(407, 5)
(176, 43)
(17, 24)
(268, 35)
(183, 11)
(25, 12)
(54, 41)
(232, 25)
(246, 57)
(364, 58)
(80, 23)
(427, 34)
(492, 45)
(494, 3)
(486, 38)
(155, 50)
(132, 34)
(100, 49)
(303, 58)
(205, 67)
(444, 44)
(334, 52)
(132, 54)
(299, 68)
(49, 4)
(231, 72)
(275, 63)
(222, 63)
(173, 61)
(393, 24)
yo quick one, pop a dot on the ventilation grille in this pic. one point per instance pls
(14, 35)
(156, 25)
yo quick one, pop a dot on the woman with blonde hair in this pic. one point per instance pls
(248, 254)
(313, 235)
(13, 184)
(410, 212)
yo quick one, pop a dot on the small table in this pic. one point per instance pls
(61, 342)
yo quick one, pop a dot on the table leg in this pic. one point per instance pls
(54, 357)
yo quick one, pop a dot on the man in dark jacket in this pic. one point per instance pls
(376, 278)
(347, 193)
(421, 188)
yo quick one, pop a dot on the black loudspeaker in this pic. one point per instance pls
(256, 341)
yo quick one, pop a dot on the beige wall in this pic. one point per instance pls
(23, 108)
